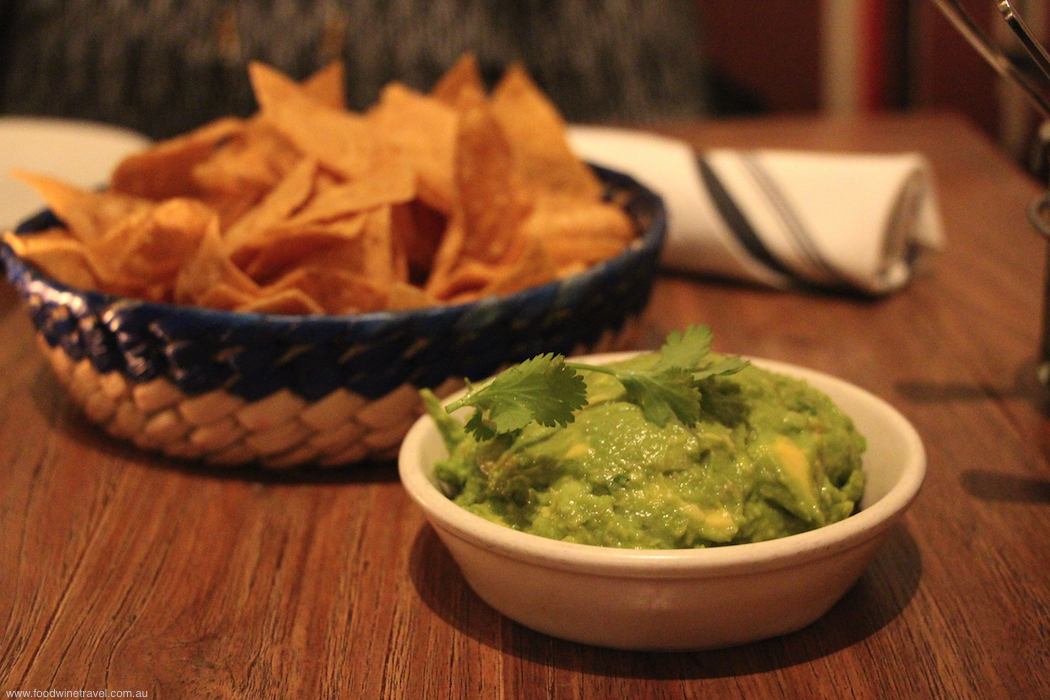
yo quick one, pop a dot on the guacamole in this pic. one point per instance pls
(770, 456)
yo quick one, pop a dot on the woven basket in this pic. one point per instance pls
(280, 392)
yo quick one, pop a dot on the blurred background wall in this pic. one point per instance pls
(859, 56)
(167, 66)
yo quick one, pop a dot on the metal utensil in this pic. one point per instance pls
(1037, 86)
(1006, 65)
(1027, 38)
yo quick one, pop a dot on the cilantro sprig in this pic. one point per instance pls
(548, 389)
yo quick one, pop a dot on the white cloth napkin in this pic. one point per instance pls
(782, 218)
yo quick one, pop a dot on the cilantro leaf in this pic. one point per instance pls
(671, 385)
(542, 389)
(686, 349)
(663, 393)
(720, 368)
(547, 389)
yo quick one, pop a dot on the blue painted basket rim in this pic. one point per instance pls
(650, 238)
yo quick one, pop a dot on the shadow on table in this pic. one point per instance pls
(989, 485)
(878, 598)
(1025, 385)
(1011, 488)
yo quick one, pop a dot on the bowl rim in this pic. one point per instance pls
(855, 531)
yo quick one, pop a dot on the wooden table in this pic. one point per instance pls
(123, 572)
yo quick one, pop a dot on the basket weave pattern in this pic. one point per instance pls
(283, 391)
(281, 431)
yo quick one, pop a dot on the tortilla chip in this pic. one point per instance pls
(494, 197)
(211, 268)
(464, 283)
(277, 206)
(340, 140)
(142, 256)
(307, 207)
(381, 261)
(313, 247)
(243, 169)
(462, 77)
(531, 267)
(422, 131)
(446, 258)
(389, 183)
(225, 298)
(87, 214)
(576, 232)
(537, 135)
(404, 297)
(286, 302)
(57, 254)
(328, 85)
(418, 231)
(335, 291)
(166, 169)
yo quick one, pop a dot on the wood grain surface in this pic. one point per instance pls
(121, 571)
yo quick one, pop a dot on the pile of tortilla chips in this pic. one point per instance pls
(307, 207)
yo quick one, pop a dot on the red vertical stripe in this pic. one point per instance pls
(873, 64)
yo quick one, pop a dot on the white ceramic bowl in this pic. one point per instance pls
(679, 599)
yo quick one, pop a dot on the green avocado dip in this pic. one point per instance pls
(765, 456)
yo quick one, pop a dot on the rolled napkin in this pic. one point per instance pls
(782, 218)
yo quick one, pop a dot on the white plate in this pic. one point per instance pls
(77, 152)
